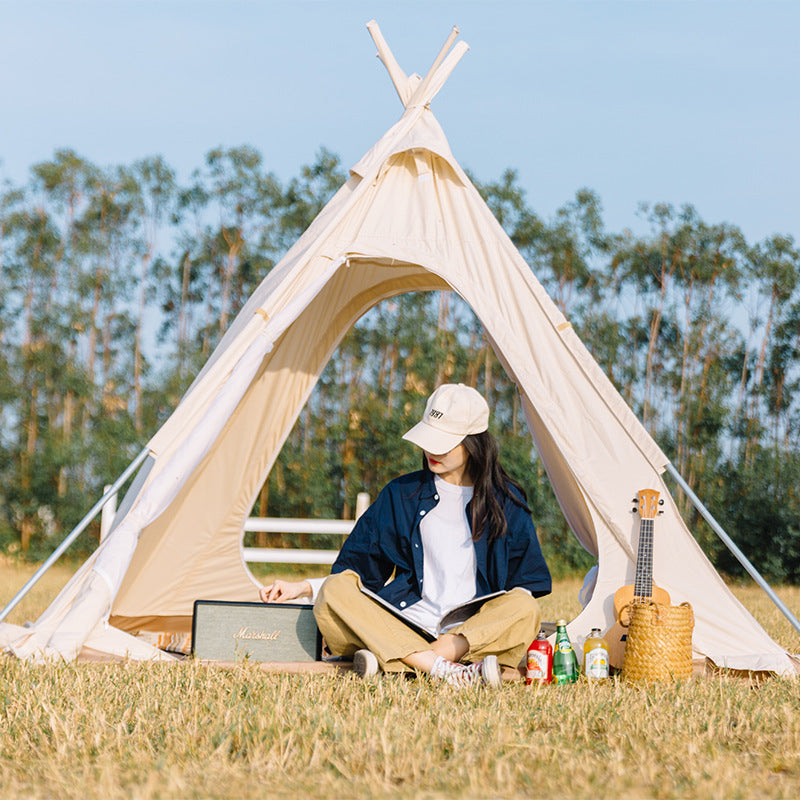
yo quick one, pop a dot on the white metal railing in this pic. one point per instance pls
(293, 555)
(289, 525)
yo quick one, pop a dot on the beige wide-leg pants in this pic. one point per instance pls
(350, 620)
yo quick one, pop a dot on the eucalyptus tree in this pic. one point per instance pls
(105, 285)
(569, 254)
(65, 185)
(782, 380)
(646, 268)
(305, 196)
(775, 277)
(65, 188)
(224, 234)
(180, 289)
(10, 197)
(699, 381)
(762, 512)
(74, 264)
(238, 236)
(151, 187)
(32, 242)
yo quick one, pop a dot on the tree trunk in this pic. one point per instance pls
(655, 329)
(234, 247)
(393, 356)
(32, 436)
(441, 331)
(349, 446)
(183, 316)
(66, 435)
(754, 414)
(137, 345)
(680, 421)
(206, 349)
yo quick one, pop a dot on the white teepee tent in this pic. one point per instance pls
(408, 219)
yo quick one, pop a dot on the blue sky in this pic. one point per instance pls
(684, 102)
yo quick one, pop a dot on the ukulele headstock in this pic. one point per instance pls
(647, 502)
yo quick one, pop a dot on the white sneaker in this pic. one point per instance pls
(365, 664)
(486, 672)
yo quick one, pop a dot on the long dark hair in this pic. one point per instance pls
(489, 481)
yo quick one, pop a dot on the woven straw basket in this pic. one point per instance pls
(659, 644)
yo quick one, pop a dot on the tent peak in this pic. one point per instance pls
(414, 92)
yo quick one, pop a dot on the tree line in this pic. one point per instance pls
(117, 282)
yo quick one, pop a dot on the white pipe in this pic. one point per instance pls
(399, 78)
(419, 92)
(362, 503)
(340, 527)
(283, 555)
(731, 545)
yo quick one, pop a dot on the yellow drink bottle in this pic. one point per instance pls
(595, 656)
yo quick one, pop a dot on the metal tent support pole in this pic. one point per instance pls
(79, 528)
(731, 545)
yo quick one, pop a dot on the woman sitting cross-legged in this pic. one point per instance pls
(432, 540)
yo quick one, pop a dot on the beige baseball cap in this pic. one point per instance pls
(453, 411)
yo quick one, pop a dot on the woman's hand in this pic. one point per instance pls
(284, 591)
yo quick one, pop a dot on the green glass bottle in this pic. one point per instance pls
(565, 662)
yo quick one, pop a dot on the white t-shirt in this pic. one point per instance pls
(449, 565)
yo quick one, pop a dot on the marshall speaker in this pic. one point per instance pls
(225, 631)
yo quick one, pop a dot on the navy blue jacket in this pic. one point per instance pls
(387, 539)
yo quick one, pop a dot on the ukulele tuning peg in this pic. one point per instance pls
(635, 501)
(661, 502)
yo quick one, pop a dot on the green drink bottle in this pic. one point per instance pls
(565, 662)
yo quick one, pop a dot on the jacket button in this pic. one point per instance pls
(416, 545)
(436, 497)
(422, 513)
(403, 604)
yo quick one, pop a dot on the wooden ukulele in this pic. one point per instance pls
(643, 590)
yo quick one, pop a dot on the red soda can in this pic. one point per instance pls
(539, 661)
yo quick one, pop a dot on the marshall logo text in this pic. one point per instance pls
(248, 633)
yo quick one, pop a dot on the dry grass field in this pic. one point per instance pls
(139, 731)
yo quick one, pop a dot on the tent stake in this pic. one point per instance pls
(79, 528)
(731, 545)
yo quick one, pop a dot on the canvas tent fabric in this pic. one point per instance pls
(408, 219)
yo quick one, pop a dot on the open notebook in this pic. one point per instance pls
(453, 617)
